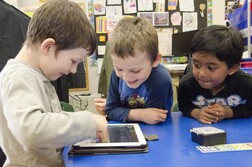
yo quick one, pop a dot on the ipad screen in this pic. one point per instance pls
(119, 135)
(122, 134)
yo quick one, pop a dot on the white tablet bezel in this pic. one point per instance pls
(141, 139)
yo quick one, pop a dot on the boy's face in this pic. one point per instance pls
(65, 62)
(210, 72)
(133, 70)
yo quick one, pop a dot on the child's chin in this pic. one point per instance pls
(205, 87)
(54, 78)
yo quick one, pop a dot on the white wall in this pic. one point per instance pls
(218, 12)
(218, 18)
(93, 79)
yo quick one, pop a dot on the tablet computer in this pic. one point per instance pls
(122, 138)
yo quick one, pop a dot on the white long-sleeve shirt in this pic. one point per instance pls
(33, 129)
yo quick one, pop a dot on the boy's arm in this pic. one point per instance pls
(242, 111)
(160, 97)
(184, 102)
(114, 109)
(160, 93)
(31, 121)
(147, 115)
(244, 87)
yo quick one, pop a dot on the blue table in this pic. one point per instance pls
(175, 148)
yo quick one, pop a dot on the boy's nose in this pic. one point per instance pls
(73, 69)
(126, 76)
(202, 73)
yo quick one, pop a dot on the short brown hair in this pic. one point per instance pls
(65, 22)
(133, 34)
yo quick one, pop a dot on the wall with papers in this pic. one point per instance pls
(168, 16)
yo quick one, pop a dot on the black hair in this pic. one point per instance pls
(226, 43)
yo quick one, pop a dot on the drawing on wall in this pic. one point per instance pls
(178, 15)
(160, 5)
(202, 7)
(190, 21)
(147, 15)
(186, 5)
(129, 6)
(99, 7)
(144, 5)
(161, 19)
(113, 11)
(172, 4)
(176, 19)
(165, 41)
(112, 22)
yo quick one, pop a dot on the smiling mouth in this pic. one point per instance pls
(203, 82)
(131, 82)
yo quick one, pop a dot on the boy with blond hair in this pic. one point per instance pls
(140, 87)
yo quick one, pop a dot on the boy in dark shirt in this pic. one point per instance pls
(216, 88)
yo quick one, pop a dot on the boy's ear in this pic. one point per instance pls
(233, 69)
(47, 45)
(157, 61)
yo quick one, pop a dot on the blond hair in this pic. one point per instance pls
(134, 34)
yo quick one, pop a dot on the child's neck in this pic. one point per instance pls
(218, 88)
(28, 56)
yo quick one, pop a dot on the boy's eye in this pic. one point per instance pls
(118, 69)
(211, 68)
(135, 71)
(74, 62)
(196, 65)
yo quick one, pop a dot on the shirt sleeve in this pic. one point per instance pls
(160, 93)
(184, 97)
(28, 111)
(244, 90)
(114, 108)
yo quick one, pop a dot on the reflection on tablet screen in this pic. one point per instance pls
(118, 134)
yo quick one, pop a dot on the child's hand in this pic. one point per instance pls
(153, 115)
(221, 112)
(100, 105)
(205, 115)
(101, 128)
(212, 113)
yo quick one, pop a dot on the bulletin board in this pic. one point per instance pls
(167, 16)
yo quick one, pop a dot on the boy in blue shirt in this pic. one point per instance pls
(216, 88)
(140, 87)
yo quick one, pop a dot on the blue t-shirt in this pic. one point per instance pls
(155, 92)
(132, 98)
